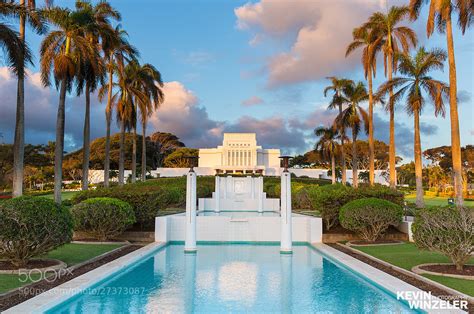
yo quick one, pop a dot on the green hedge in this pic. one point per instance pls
(151, 196)
(329, 199)
(102, 218)
(31, 226)
(370, 217)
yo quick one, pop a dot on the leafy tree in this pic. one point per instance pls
(165, 144)
(177, 160)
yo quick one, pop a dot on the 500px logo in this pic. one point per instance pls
(35, 274)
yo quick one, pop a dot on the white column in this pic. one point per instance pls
(217, 194)
(285, 213)
(190, 237)
(260, 194)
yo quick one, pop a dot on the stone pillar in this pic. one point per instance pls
(285, 214)
(260, 194)
(217, 194)
(190, 237)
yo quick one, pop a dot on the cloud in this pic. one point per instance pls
(41, 109)
(182, 115)
(252, 101)
(317, 40)
(464, 96)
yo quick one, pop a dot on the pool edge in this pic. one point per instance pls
(51, 298)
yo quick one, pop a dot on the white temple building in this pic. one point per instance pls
(239, 153)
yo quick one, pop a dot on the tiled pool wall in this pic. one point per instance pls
(226, 228)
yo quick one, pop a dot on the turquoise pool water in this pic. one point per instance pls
(234, 278)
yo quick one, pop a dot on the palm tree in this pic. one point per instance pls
(26, 12)
(152, 84)
(63, 51)
(129, 92)
(367, 39)
(327, 146)
(416, 80)
(440, 13)
(353, 116)
(395, 38)
(337, 86)
(117, 51)
(92, 72)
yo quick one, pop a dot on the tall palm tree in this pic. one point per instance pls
(118, 51)
(367, 39)
(416, 80)
(440, 13)
(152, 85)
(337, 86)
(396, 38)
(93, 71)
(354, 116)
(327, 146)
(26, 13)
(129, 92)
(63, 52)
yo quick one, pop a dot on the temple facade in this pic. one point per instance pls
(239, 153)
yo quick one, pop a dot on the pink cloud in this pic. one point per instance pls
(319, 32)
(252, 101)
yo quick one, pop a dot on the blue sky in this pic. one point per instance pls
(246, 66)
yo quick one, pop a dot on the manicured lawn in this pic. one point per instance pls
(408, 255)
(435, 200)
(67, 195)
(71, 254)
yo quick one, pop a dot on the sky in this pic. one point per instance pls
(239, 66)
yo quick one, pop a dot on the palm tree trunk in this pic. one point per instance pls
(453, 114)
(86, 141)
(144, 151)
(122, 153)
(391, 154)
(333, 168)
(134, 155)
(418, 164)
(343, 152)
(108, 117)
(355, 178)
(59, 146)
(371, 130)
(19, 142)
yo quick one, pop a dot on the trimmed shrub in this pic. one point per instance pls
(382, 192)
(102, 218)
(447, 230)
(31, 226)
(328, 199)
(370, 217)
(149, 197)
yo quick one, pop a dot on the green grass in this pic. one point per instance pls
(67, 195)
(71, 254)
(435, 200)
(408, 255)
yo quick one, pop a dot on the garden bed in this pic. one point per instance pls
(371, 243)
(22, 294)
(445, 269)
